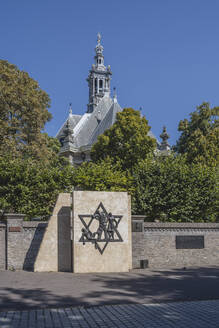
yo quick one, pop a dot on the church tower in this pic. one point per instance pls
(79, 132)
(98, 79)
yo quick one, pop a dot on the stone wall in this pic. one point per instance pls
(19, 242)
(157, 243)
(2, 246)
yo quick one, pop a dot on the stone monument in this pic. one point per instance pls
(89, 231)
(101, 232)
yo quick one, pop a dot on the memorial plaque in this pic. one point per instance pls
(14, 229)
(189, 242)
(136, 226)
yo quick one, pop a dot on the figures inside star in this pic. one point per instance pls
(107, 225)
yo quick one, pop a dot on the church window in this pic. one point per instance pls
(96, 85)
(101, 84)
(99, 61)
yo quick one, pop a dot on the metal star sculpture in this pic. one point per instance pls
(107, 231)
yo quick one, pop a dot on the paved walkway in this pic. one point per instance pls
(200, 314)
(22, 290)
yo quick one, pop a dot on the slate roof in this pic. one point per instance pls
(106, 123)
(92, 122)
(73, 120)
(86, 128)
(150, 134)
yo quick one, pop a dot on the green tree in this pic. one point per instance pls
(170, 189)
(31, 187)
(101, 176)
(23, 113)
(126, 141)
(199, 139)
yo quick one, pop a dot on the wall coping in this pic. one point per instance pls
(14, 216)
(180, 225)
(138, 217)
(34, 224)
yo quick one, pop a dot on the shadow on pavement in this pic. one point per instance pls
(51, 290)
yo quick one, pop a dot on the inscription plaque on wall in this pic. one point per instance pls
(189, 242)
(136, 226)
(14, 229)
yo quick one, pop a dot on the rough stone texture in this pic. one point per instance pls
(2, 246)
(19, 242)
(156, 243)
(33, 233)
(117, 255)
(26, 245)
(55, 252)
(15, 252)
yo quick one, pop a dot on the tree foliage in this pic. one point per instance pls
(23, 113)
(126, 141)
(169, 189)
(199, 139)
(101, 176)
(31, 187)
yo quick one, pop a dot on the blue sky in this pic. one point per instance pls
(164, 54)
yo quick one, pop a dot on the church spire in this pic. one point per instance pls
(70, 109)
(99, 58)
(114, 95)
(164, 136)
(99, 47)
(99, 78)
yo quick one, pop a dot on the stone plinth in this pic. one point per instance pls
(98, 245)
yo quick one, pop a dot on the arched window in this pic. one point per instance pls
(101, 84)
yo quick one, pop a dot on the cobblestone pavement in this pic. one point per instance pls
(199, 314)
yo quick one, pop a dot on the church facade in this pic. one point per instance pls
(80, 132)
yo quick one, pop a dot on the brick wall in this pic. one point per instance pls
(154, 242)
(19, 242)
(157, 243)
(2, 246)
(33, 236)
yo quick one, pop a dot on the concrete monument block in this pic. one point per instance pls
(101, 232)
(55, 250)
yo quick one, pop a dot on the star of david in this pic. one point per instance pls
(100, 228)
